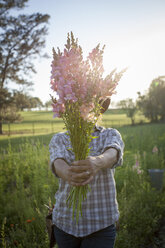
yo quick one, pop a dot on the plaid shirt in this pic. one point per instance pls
(100, 209)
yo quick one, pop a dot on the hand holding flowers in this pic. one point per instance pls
(82, 172)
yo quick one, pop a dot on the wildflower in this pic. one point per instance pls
(139, 171)
(137, 163)
(155, 149)
(136, 166)
(28, 221)
(84, 110)
(58, 109)
(11, 225)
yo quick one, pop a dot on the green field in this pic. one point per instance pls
(42, 122)
(26, 183)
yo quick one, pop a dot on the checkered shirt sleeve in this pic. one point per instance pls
(59, 149)
(114, 140)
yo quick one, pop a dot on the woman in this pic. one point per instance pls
(96, 226)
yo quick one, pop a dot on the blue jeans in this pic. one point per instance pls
(104, 238)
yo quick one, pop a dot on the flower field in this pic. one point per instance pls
(26, 184)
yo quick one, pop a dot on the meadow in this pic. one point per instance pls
(26, 183)
(42, 122)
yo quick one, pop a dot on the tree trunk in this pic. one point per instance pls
(4, 70)
(1, 132)
(133, 122)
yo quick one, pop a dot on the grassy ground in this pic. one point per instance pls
(42, 122)
(26, 184)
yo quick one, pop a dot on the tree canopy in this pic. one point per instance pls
(152, 103)
(130, 107)
(22, 39)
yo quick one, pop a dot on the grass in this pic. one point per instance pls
(42, 122)
(26, 184)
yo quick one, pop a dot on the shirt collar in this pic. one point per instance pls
(98, 128)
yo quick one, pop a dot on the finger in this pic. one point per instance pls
(81, 162)
(83, 183)
(87, 181)
(81, 176)
(77, 182)
(79, 169)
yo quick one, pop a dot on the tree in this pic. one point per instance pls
(6, 6)
(21, 41)
(152, 104)
(157, 95)
(7, 108)
(148, 107)
(48, 104)
(130, 107)
(35, 102)
(21, 100)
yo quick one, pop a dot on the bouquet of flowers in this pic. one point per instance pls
(80, 90)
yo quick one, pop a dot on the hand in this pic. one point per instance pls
(82, 172)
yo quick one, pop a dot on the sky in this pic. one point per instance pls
(133, 32)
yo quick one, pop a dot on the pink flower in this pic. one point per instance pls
(58, 109)
(54, 85)
(136, 166)
(139, 171)
(86, 111)
(137, 163)
(155, 149)
(74, 79)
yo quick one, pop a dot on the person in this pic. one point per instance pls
(96, 227)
